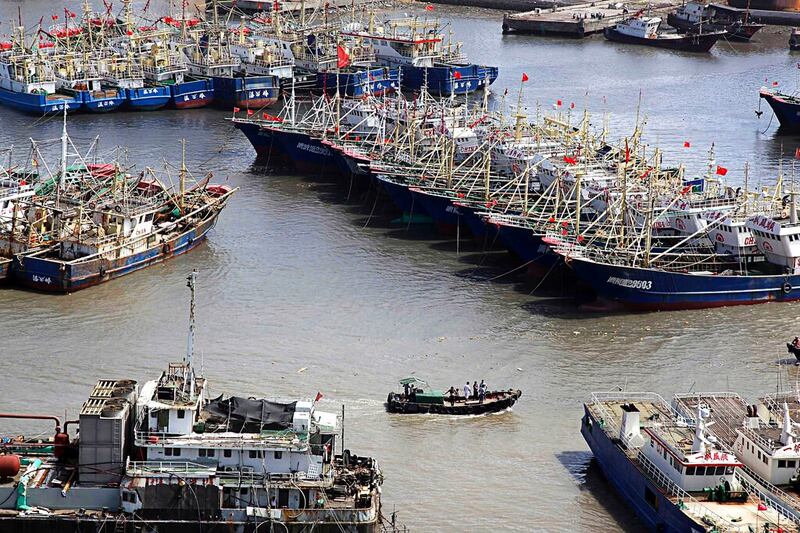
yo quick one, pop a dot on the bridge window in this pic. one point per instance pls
(781, 463)
(689, 470)
(226, 453)
(701, 471)
(181, 413)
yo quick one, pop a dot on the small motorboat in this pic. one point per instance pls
(647, 31)
(794, 349)
(418, 398)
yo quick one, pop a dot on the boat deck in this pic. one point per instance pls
(728, 411)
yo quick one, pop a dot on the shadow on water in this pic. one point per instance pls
(583, 468)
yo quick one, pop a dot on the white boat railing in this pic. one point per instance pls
(673, 489)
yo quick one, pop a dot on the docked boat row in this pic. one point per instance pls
(637, 233)
(89, 217)
(102, 61)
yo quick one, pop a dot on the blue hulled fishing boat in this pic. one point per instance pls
(192, 93)
(670, 472)
(358, 83)
(27, 82)
(425, 60)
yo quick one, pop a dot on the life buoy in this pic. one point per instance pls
(787, 287)
(118, 208)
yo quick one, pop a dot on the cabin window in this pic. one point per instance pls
(650, 498)
(255, 454)
(226, 453)
(766, 462)
(720, 471)
(701, 471)
(148, 217)
(791, 463)
(172, 452)
(181, 413)
(781, 463)
(278, 455)
(689, 470)
(203, 452)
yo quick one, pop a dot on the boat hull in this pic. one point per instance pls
(787, 110)
(657, 290)
(400, 196)
(443, 80)
(5, 268)
(246, 92)
(38, 104)
(49, 275)
(192, 94)
(147, 98)
(445, 215)
(396, 404)
(737, 31)
(102, 103)
(360, 83)
(632, 485)
(687, 43)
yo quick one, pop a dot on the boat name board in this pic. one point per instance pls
(630, 283)
(764, 222)
(313, 149)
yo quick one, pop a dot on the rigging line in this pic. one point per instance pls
(375, 203)
(543, 279)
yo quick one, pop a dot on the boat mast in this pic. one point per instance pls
(181, 204)
(191, 280)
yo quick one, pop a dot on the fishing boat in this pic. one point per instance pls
(794, 40)
(419, 398)
(647, 31)
(27, 82)
(671, 472)
(786, 108)
(694, 17)
(176, 457)
(418, 48)
(137, 221)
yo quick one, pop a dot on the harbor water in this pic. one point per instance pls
(301, 290)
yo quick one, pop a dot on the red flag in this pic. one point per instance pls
(343, 57)
(54, 17)
(687, 144)
(457, 75)
(570, 160)
(721, 170)
(558, 103)
(627, 151)
(429, 8)
(250, 112)
(797, 153)
(524, 77)
(236, 109)
(319, 397)
(572, 105)
(686, 189)
(762, 507)
(774, 83)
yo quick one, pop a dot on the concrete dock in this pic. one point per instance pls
(577, 20)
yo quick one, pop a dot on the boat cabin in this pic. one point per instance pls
(778, 238)
(767, 441)
(641, 27)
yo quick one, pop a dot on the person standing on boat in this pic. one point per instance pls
(475, 390)
(452, 395)
(406, 389)
(482, 392)
(466, 391)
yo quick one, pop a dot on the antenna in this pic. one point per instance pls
(191, 280)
